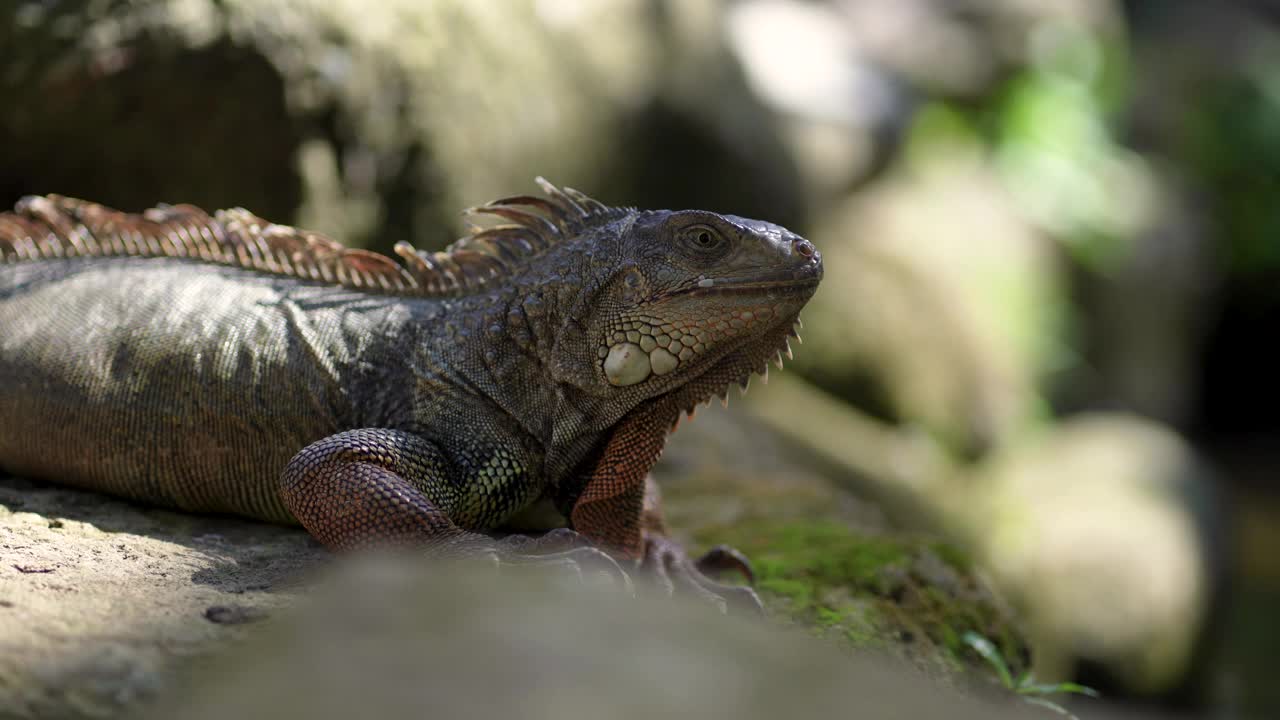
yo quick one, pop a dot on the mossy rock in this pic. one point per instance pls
(914, 596)
(423, 640)
(826, 560)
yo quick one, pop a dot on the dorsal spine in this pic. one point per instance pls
(53, 226)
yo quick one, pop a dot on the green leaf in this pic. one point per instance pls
(991, 654)
(1052, 688)
(1050, 705)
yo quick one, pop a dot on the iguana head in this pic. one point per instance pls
(649, 301)
(629, 305)
(692, 290)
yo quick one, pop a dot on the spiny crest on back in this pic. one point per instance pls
(54, 226)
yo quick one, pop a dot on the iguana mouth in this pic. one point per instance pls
(789, 286)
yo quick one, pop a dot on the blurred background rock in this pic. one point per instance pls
(1051, 231)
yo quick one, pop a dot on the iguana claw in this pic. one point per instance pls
(723, 558)
(672, 570)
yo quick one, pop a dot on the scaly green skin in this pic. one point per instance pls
(378, 415)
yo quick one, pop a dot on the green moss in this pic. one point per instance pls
(826, 553)
(953, 556)
(799, 593)
(913, 595)
(828, 617)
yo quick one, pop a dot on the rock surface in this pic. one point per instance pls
(826, 559)
(99, 598)
(403, 639)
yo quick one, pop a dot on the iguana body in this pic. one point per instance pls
(226, 364)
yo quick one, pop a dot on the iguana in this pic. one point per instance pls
(227, 364)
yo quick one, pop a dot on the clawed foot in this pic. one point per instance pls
(565, 550)
(673, 572)
(665, 564)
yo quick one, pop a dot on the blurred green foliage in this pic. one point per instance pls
(1058, 152)
(1233, 146)
(1050, 129)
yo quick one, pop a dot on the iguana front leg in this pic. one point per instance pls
(372, 487)
(386, 488)
(620, 508)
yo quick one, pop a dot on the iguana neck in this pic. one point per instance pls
(524, 345)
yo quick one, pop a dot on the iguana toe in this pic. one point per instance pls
(565, 551)
(670, 568)
(724, 558)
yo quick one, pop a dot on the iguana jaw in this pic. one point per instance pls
(736, 367)
(691, 331)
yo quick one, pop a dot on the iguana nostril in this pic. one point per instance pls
(804, 247)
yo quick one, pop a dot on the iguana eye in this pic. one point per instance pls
(702, 238)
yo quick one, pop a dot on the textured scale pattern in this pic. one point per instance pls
(533, 370)
(360, 475)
